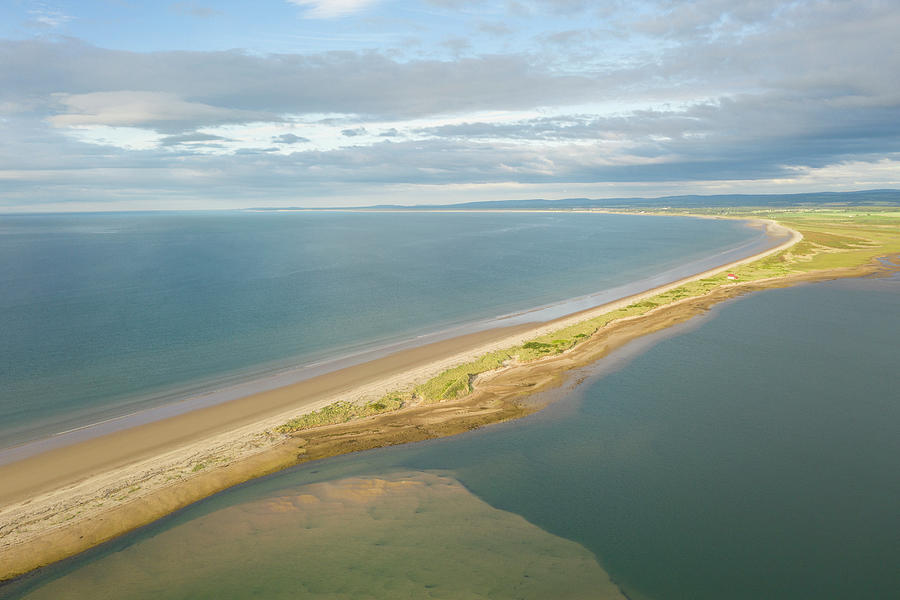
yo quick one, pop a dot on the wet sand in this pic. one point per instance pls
(360, 537)
(61, 502)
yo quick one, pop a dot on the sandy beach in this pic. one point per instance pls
(61, 502)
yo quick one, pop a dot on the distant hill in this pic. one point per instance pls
(859, 198)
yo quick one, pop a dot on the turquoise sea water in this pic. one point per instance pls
(103, 314)
(751, 454)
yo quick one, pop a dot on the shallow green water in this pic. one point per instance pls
(752, 455)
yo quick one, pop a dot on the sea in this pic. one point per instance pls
(111, 319)
(750, 453)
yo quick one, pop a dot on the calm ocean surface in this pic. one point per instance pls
(105, 314)
(751, 454)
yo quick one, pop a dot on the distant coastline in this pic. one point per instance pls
(654, 204)
(49, 515)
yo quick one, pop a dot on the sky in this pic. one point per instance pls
(137, 105)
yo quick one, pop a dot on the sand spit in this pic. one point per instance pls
(64, 501)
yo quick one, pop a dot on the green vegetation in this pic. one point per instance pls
(341, 412)
(457, 381)
(848, 238)
(833, 238)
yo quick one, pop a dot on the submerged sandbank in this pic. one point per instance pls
(309, 540)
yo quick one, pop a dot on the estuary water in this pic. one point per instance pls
(103, 315)
(748, 454)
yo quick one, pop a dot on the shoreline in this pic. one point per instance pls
(191, 396)
(70, 499)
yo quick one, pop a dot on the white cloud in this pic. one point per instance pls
(884, 173)
(329, 9)
(140, 108)
(45, 16)
(127, 138)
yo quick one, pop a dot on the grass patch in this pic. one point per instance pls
(457, 381)
(341, 412)
(831, 240)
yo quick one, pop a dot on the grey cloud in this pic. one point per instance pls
(576, 127)
(711, 17)
(748, 137)
(195, 137)
(65, 169)
(562, 6)
(433, 162)
(794, 53)
(566, 37)
(331, 121)
(289, 138)
(528, 7)
(455, 161)
(344, 82)
(392, 132)
(252, 151)
(757, 133)
(353, 132)
(163, 111)
(457, 45)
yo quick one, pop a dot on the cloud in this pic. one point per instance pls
(457, 45)
(527, 7)
(158, 110)
(42, 16)
(792, 52)
(757, 133)
(566, 37)
(329, 9)
(253, 151)
(715, 17)
(367, 83)
(40, 165)
(681, 92)
(565, 7)
(195, 137)
(289, 138)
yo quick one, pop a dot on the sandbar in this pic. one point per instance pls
(61, 502)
